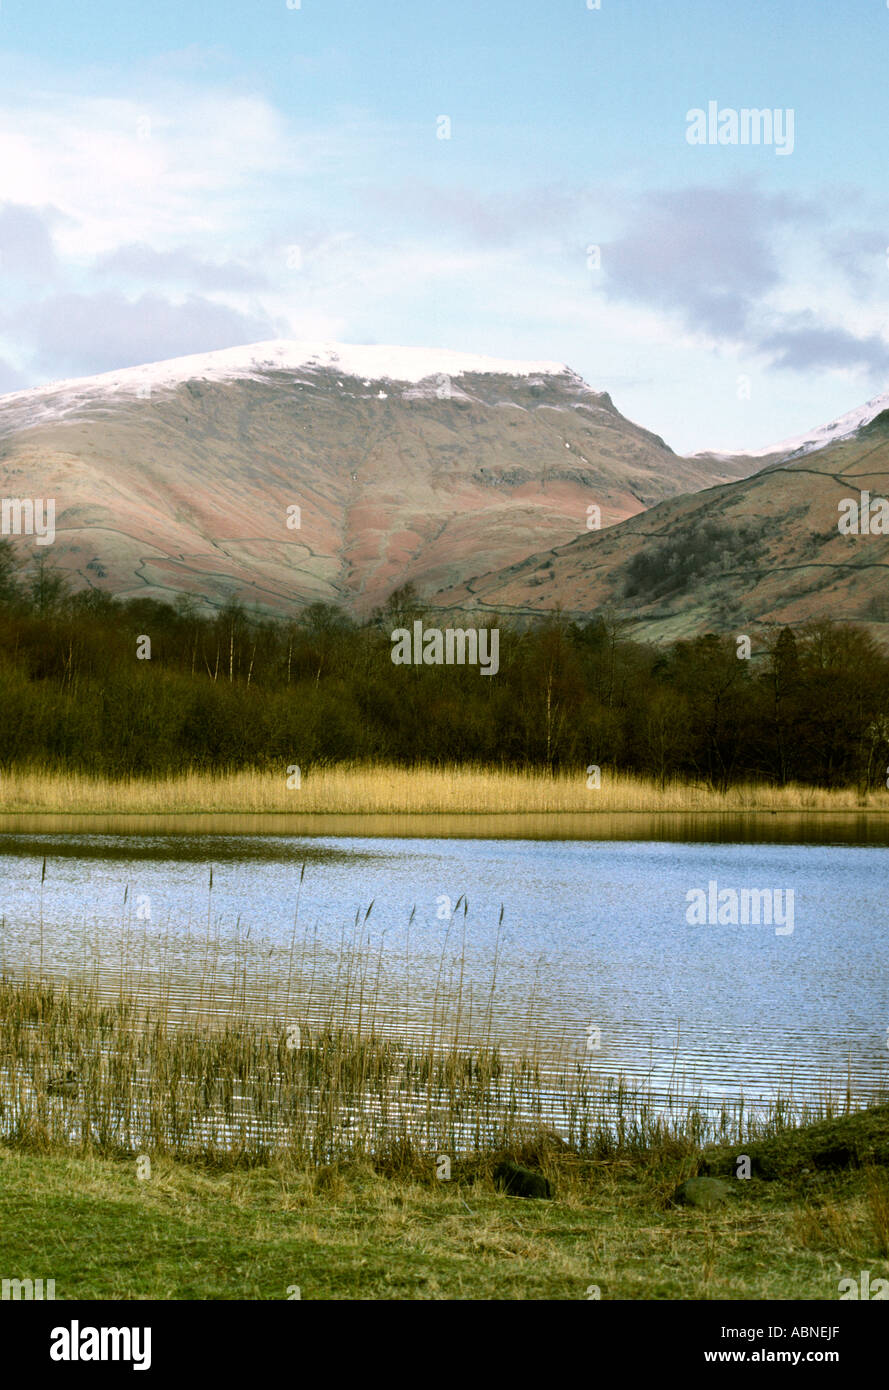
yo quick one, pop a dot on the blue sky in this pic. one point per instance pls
(184, 176)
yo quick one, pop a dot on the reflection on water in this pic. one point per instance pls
(577, 947)
(729, 827)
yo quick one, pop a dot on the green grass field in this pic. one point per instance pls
(353, 1231)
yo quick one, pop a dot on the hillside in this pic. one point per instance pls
(405, 464)
(765, 549)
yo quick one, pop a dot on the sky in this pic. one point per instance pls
(492, 176)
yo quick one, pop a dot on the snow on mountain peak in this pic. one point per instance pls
(367, 363)
(843, 427)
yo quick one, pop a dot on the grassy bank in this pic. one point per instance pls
(356, 1231)
(381, 790)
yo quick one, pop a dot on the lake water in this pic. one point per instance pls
(585, 941)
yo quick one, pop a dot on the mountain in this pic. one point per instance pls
(844, 427)
(762, 550)
(848, 426)
(405, 464)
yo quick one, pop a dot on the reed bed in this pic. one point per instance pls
(230, 1049)
(89, 1070)
(363, 789)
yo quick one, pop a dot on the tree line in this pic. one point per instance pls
(236, 690)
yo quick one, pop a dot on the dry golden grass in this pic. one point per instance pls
(827, 1225)
(851, 1225)
(362, 789)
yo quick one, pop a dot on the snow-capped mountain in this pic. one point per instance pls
(844, 427)
(363, 363)
(284, 472)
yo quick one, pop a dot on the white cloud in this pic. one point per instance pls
(178, 168)
(156, 220)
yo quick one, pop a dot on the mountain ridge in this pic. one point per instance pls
(180, 476)
(740, 556)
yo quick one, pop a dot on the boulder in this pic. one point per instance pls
(702, 1192)
(521, 1182)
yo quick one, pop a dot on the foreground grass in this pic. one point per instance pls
(380, 790)
(350, 1232)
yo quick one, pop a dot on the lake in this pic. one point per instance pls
(578, 947)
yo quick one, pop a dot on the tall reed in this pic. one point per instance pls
(364, 789)
(96, 1070)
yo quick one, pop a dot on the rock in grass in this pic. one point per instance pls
(702, 1192)
(521, 1182)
